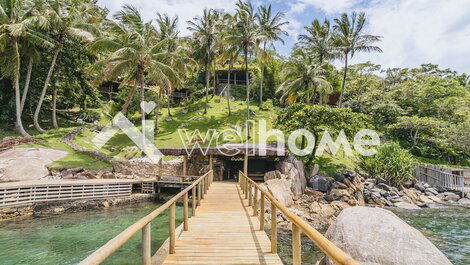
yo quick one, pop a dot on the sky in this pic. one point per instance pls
(413, 32)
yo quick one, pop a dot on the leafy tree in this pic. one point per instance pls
(248, 37)
(305, 77)
(319, 40)
(68, 19)
(270, 27)
(391, 163)
(350, 39)
(18, 23)
(205, 30)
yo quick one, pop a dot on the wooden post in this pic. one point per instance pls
(255, 202)
(296, 245)
(185, 165)
(202, 188)
(172, 228)
(199, 194)
(273, 229)
(146, 245)
(186, 211)
(194, 201)
(250, 195)
(211, 167)
(246, 188)
(245, 164)
(261, 213)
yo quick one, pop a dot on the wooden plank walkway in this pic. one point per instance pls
(223, 232)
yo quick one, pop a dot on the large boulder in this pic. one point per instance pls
(281, 190)
(294, 171)
(320, 183)
(276, 174)
(377, 236)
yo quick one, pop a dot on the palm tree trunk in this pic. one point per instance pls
(129, 98)
(168, 105)
(19, 124)
(344, 80)
(142, 97)
(44, 90)
(26, 85)
(262, 78)
(247, 95)
(54, 109)
(214, 82)
(207, 87)
(228, 89)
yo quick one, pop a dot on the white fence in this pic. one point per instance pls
(14, 194)
(435, 175)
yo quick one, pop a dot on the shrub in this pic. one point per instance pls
(391, 162)
(89, 116)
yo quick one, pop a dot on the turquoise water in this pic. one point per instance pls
(447, 228)
(69, 238)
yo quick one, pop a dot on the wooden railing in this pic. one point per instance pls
(440, 178)
(202, 185)
(299, 226)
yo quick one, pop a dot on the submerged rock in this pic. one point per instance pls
(377, 236)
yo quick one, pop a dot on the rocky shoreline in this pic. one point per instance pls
(320, 199)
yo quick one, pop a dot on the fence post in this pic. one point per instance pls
(186, 212)
(146, 245)
(261, 213)
(250, 195)
(199, 194)
(273, 229)
(172, 228)
(194, 201)
(296, 245)
(202, 187)
(255, 202)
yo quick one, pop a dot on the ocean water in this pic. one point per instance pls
(71, 237)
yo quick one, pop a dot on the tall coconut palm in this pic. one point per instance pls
(168, 30)
(305, 78)
(18, 19)
(271, 29)
(68, 19)
(136, 55)
(205, 30)
(350, 39)
(246, 34)
(319, 40)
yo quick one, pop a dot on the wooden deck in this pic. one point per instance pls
(223, 232)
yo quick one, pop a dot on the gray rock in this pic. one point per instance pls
(384, 186)
(377, 236)
(420, 187)
(464, 202)
(280, 189)
(433, 191)
(276, 174)
(450, 196)
(294, 171)
(405, 205)
(320, 183)
(339, 176)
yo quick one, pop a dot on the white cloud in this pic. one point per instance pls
(329, 6)
(421, 31)
(185, 9)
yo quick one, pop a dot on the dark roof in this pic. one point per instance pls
(228, 150)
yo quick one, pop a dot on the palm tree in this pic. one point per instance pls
(68, 20)
(350, 39)
(136, 55)
(18, 19)
(205, 30)
(167, 30)
(230, 53)
(270, 28)
(246, 34)
(305, 77)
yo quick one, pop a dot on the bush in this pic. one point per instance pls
(89, 116)
(391, 162)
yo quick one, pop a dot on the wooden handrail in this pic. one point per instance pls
(143, 224)
(299, 226)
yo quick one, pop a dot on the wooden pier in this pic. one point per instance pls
(224, 231)
(227, 227)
